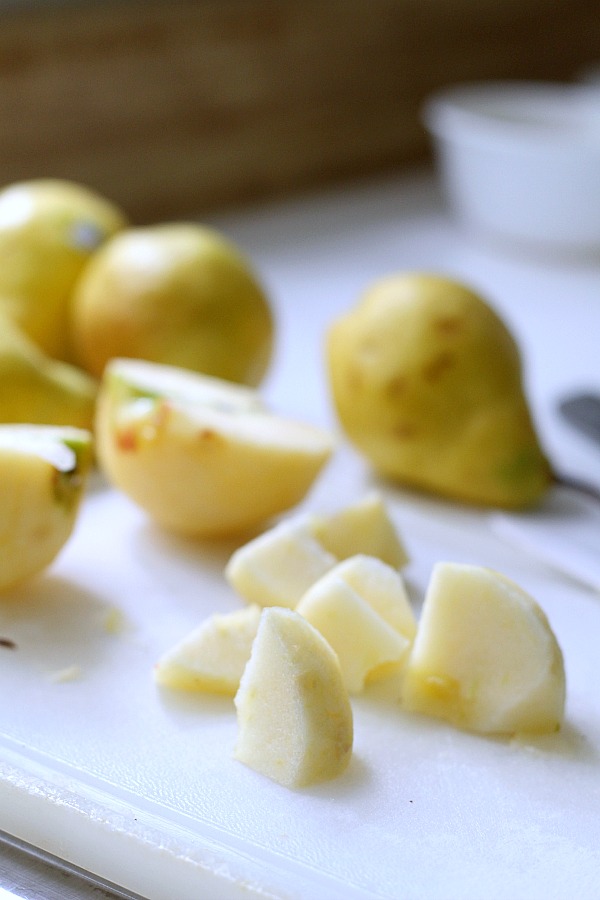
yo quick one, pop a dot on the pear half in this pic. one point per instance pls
(427, 383)
(202, 456)
(43, 473)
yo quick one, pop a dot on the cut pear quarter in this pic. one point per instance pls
(361, 609)
(211, 658)
(43, 472)
(280, 565)
(201, 456)
(364, 527)
(485, 657)
(294, 715)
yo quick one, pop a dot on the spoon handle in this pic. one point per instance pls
(583, 412)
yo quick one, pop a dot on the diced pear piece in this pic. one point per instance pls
(211, 658)
(363, 527)
(383, 589)
(367, 645)
(202, 456)
(278, 567)
(294, 715)
(485, 657)
(43, 472)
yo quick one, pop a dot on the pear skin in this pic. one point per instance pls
(49, 228)
(427, 383)
(37, 389)
(44, 472)
(176, 293)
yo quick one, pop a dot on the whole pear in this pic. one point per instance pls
(34, 388)
(49, 228)
(179, 294)
(427, 383)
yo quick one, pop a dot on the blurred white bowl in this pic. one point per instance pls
(522, 160)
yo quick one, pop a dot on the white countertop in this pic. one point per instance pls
(438, 814)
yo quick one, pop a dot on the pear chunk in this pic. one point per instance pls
(43, 472)
(294, 715)
(363, 527)
(211, 658)
(361, 609)
(201, 456)
(381, 586)
(485, 657)
(278, 567)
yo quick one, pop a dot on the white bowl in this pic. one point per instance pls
(522, 160)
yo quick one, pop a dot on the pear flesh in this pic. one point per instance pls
(202, 456)
(363, 641)
(43, 472)
(280, 565)
(294, 716)
(485, 657)
(363, 527)
(427, 383)
(212, 657)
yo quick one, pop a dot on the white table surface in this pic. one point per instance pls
(452, 815)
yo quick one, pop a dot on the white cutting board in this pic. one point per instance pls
(139, 786)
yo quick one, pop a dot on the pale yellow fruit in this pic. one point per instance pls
(48, 230)
(202, 456)
(211, 658)
(382, 586)
(485, 657)
(43, 472)
(294, 716)
(34, 388)
(179, 294)
(427, 383)
(357, 607)
(363, 527)
(278, 567)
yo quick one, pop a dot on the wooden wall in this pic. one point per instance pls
(172, 108)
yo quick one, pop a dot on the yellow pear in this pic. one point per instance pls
(43, 472)
(48, 230)
(35, 388)
(178, 294)
(427, 383)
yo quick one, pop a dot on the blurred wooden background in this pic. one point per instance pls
(172, 108)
